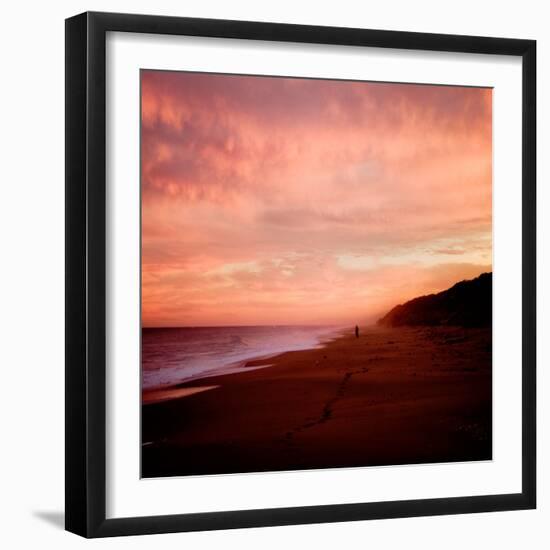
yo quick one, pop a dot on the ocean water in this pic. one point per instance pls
(173, 355)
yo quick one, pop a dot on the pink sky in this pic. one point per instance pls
(296, 201)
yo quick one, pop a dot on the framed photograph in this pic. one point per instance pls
(300, 280)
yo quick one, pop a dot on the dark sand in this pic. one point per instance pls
(391, 396)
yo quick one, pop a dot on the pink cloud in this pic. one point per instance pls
(290, 175)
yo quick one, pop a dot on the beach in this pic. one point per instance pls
(392, 396)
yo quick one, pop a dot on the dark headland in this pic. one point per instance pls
(416, 388)
(466, 304)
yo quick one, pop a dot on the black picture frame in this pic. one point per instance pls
(86, 274)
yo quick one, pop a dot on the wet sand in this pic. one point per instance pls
(391, 396)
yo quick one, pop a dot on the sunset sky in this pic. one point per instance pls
(299, 201)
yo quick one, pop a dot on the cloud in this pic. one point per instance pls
(291, 175)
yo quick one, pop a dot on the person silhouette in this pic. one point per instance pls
(356, 331)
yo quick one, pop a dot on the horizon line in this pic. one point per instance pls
(250, 326)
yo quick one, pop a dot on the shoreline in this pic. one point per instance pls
(391, 396)
(244, 365)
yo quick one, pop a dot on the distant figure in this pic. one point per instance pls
(356, 331)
